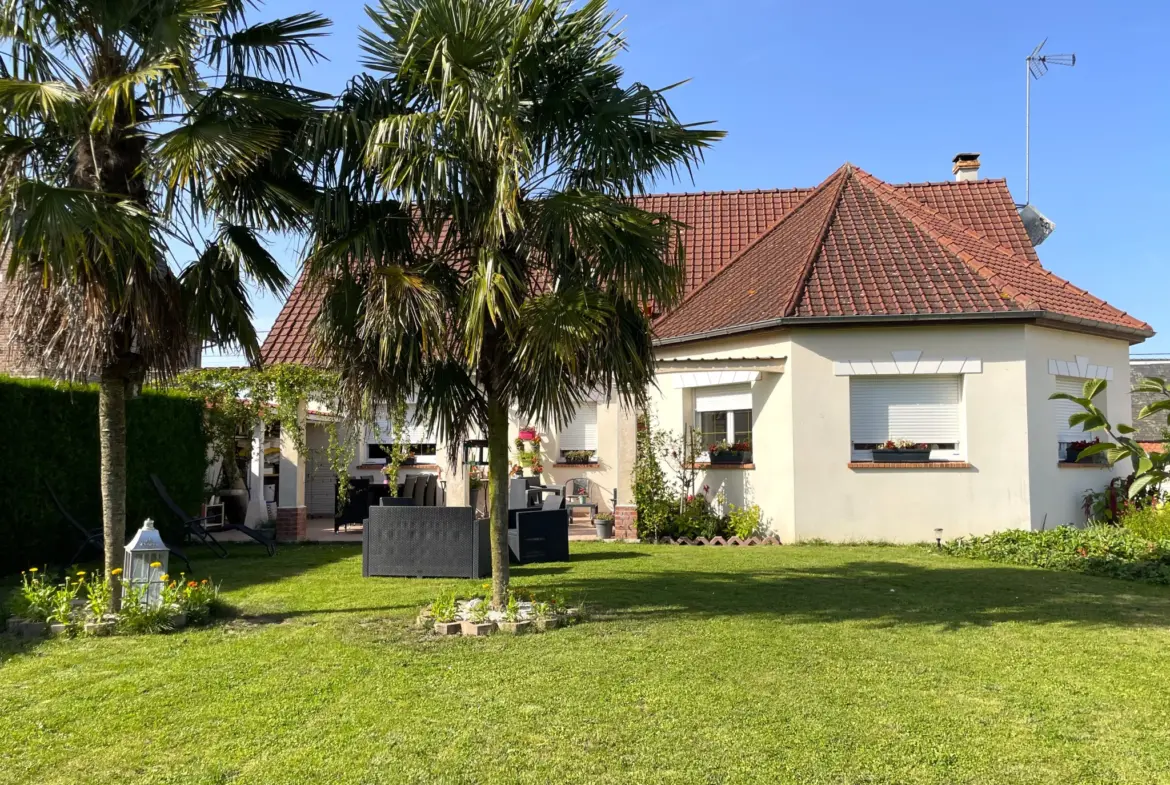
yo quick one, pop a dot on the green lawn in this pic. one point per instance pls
(701, 665)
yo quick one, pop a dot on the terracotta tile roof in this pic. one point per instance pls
(888, 251)
(882, 250)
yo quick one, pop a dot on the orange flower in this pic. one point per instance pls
(191, 584)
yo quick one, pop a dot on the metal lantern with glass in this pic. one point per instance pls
(145, 565)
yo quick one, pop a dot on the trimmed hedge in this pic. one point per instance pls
(50, 433)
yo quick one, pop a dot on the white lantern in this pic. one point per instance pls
(146, 564)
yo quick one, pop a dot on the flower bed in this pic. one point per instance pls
(1110, 551)
(82, 605)
(474, 616)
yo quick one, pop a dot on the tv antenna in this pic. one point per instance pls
(1037, 67)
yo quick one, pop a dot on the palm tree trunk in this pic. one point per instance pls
(112, 427)
(497, 437)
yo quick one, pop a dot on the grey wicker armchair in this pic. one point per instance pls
(426, 542)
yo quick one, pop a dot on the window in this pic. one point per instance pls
(579, 436)
(1069, 434)
(723, 414)
(924, 409)
(422, 443)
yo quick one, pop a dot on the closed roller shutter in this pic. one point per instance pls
(1062, 410)
(581, 432)
(725, 398)
(916, 408)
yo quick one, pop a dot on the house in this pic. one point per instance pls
(821, 323)
(1150, 432)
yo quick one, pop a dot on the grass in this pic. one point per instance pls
(702, 665)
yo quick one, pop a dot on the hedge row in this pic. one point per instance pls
(50, 434)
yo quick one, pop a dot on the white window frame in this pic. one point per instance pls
(736, 397)
(585, 437)
(959, 453)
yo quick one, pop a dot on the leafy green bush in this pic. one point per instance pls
(1111, 551)
(51, 435)
(1153, 523)
(744, 522)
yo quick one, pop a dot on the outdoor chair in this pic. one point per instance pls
(395, 501)
(94, 537)
(577, 497)
(196, 528)
(357, 505)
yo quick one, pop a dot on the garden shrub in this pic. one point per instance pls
(50, 433)
(1110, 551)
(1152, 522)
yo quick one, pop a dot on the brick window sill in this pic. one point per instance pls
(1079, 465)
(927, 465)
(577, 465)
(716, 467)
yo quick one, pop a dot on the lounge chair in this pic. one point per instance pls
(196, 528)
(94, 538)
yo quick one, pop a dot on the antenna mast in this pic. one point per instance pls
(1037, 65)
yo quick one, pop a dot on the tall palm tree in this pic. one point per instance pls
(133, 134)
(480, 250)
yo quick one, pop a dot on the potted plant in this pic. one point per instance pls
(444, 611)
(1072, 452)
(902, 451)
(478, 623)
(603, 523)
(527, 433)
(546, 616)
(726, 452)
(513, 622)
(577, 456)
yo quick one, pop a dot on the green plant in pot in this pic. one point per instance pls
(603, 523)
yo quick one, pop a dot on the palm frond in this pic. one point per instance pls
(271, 48)
(255, 263)
(56, 102)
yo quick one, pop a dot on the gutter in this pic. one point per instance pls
(1133, 335)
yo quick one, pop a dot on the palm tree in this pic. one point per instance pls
(484, 180)
(136, 133)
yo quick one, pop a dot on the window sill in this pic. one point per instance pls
(1079, 465)
(593, 465)
(721, 466)
(926, 465)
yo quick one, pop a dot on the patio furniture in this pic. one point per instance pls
(395, 501)
(196, 528)
(94, 537)
(426, 542)
(357, 505)
(538, 535)
(577, 497)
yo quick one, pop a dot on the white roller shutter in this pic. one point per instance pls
(1064, 409)
(726, 398)
(918, 408)
(581, 432)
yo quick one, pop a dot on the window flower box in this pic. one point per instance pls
(726, 453)
(527, 433)
(1072, 452)
(577, 457)
(902, 452)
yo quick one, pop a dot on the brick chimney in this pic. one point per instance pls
(966, 167)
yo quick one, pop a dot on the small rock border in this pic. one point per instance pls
(527, 621)
(771, 539)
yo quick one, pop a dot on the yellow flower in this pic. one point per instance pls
(155, 564)
(116, 571)
(80, 573)
(33, 569)
(165, 577)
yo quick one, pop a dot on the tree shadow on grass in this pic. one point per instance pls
(882, 593)
(248, 565)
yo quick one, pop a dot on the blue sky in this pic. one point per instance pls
(898, 88)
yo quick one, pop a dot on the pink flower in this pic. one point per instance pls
(691, 497)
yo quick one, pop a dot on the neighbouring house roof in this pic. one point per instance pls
(853, 248)
(1150, 429)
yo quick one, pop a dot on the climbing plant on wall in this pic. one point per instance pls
(239, 399)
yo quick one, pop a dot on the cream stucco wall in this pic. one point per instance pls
(770, 483)
(836, 502)
(802, 479)
(1058, 489)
